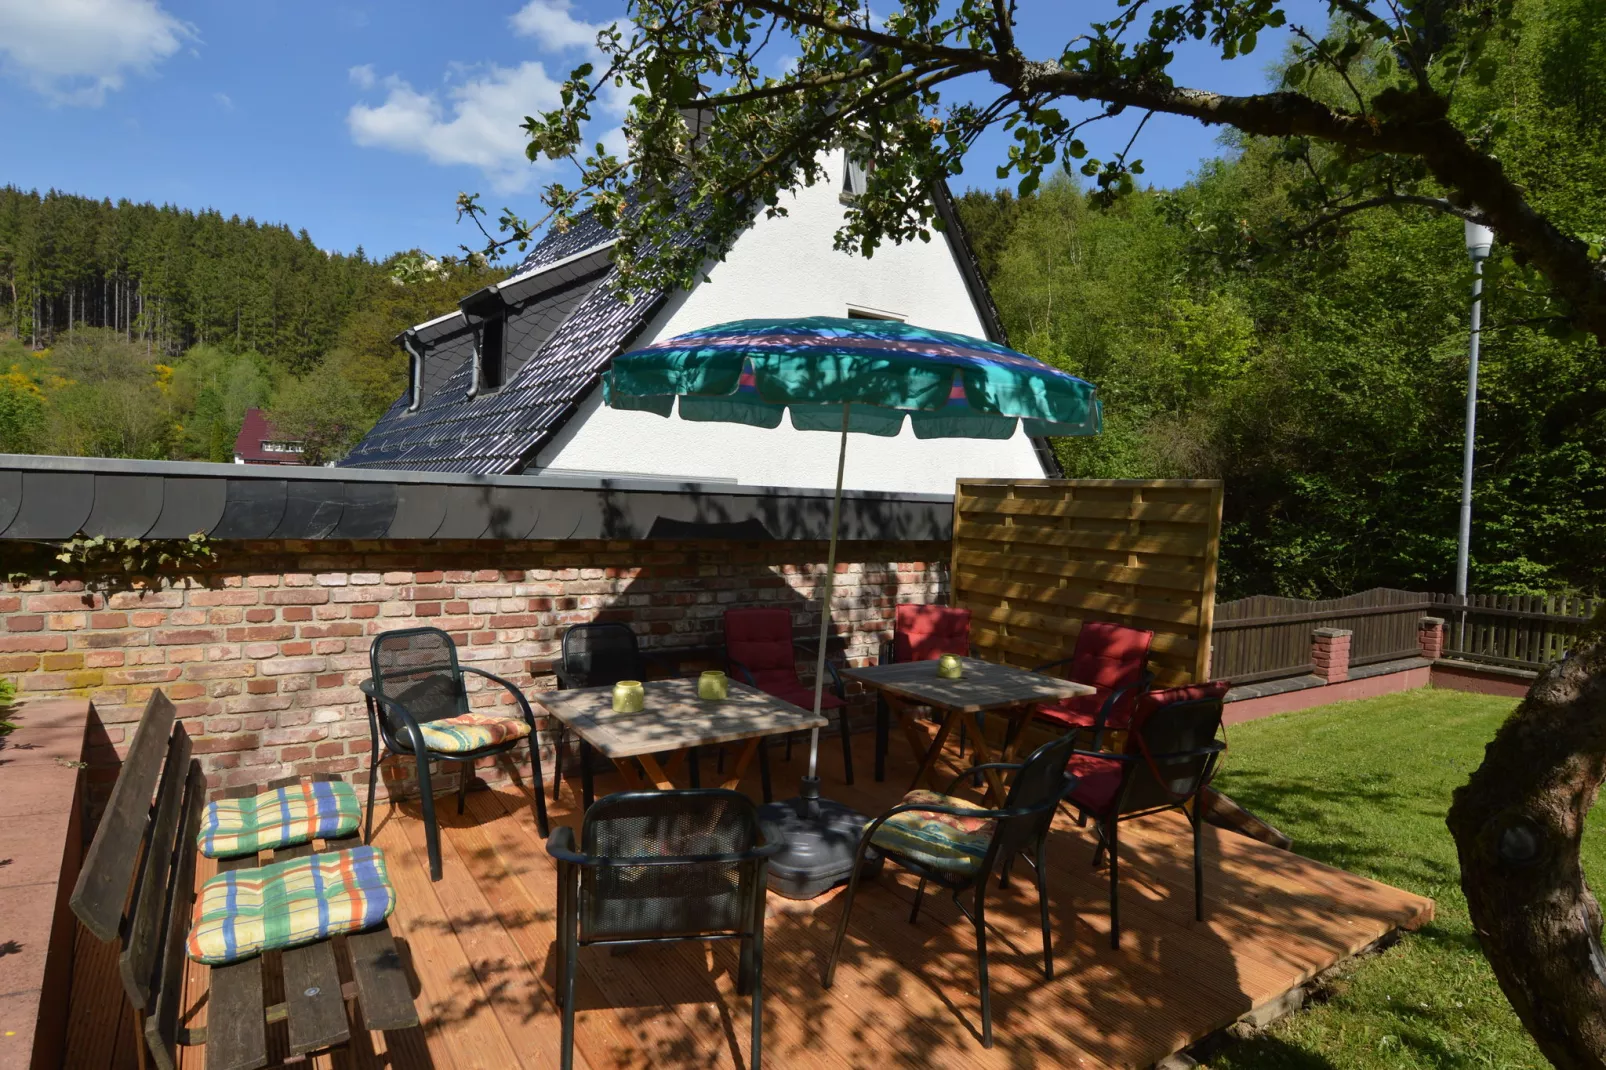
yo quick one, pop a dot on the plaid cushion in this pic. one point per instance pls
(471, 731)
(941, 841)
(245, 912)
(282, 817)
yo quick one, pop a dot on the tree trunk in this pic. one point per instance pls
(1517, 826)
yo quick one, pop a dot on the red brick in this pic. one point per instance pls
(428, 594)
(294, 735)
(31, 622)
(329, 631)
(333, 679)
(297, 649)
(147, 618)
(103, 659)
(108, 620)
(425, 577)
(57, 603)
(19, 663)
(427, 609)
(187, 636)
(237, 741)
(298, 613)
(143, 676)
(295, 754)
(262, 687)
(329, 750)
(10, 603)
(68, 622)
(364, 612)
(11, 643)
(259, 616)
(260, 633)
(305, 596)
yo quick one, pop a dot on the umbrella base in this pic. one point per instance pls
(821, 838)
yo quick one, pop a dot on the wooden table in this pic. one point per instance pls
(985, 687)
(674, 723)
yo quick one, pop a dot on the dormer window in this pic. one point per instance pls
(490, 353)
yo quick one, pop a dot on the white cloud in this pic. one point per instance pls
(478, 124)
(76, 51)
(362, 77)
(553, 25)
(224, 101)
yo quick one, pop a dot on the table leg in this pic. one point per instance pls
(655, 772)
(743, 760)
(984, 754)
(933, 752)
(587, 780)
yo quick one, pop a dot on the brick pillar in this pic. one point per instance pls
(1430, 637)
(1329, 652)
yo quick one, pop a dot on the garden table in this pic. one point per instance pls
(673, 722)
(985, 687)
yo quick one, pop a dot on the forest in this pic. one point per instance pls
(131, 330)
(1322, 375)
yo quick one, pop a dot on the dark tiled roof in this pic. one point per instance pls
(559, 341)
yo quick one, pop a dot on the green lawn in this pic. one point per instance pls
(1365, 786)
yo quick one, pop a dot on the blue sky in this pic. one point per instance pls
(362, 121)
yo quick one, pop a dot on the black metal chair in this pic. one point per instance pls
(662, 867)
(416, 682)
(599, 654)
(1170, 756)
(965, 858)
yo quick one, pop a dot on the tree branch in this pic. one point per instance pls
(868, 36)
(1382, 201)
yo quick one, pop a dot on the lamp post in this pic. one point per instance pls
(1480, 239)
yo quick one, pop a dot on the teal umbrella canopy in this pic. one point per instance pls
(948, 385)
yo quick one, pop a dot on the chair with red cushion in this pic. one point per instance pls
(1170, 755)
(919, 633)
(761, 652)
(1111, 658)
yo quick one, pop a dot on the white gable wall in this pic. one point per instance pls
(787, 267)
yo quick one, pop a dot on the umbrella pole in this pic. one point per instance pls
(825, 604)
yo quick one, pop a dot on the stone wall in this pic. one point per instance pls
(263, 653)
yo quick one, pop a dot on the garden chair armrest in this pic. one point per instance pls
(513, 689)
(567, 681)
(743, 671)
(409, 722)
(813, 650)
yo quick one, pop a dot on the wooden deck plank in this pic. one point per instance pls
(479, 945)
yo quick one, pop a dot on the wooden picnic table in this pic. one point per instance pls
(673, 724)
(985, 687)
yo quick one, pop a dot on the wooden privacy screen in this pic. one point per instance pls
(1033, 558)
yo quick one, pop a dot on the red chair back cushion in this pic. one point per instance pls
(923, 633)
(1108, 655)
(761, 639)
(1154, 700)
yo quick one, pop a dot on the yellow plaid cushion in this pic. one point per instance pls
(471, 731)
(941, 841)
(281, 817)
(245, 912)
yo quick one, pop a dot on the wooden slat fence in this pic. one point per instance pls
(1264, 637)
(1521, 631)
(1033, 559)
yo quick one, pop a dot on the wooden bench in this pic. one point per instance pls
(137, 886)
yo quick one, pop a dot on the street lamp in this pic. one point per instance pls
(1480, 239)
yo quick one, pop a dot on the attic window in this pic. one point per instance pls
(854, 174)
(490, 354)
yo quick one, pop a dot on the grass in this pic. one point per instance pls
(1365, 786)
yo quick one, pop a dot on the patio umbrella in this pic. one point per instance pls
(848, 375)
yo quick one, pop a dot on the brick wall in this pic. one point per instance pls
(264, 653)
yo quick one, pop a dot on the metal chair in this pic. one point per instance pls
(919, 633)
(417, 681)
(963, 853)
(661, 867)
(593, 655)
(761, 652)
(1112, 658)
(1170, 756)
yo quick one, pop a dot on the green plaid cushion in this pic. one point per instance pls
(281, 817)
(245, 912)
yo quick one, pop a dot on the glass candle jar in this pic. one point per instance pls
(713, 685)
(629, 696)
(950, 667)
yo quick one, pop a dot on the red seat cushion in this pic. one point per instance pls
(1098, 779)
(1078, 712)
(923, 633)
(761, 641)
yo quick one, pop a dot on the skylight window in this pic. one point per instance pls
(490, 354)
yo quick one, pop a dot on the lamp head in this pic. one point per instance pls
(1480, 240)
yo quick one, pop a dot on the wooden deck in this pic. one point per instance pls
(480, 945)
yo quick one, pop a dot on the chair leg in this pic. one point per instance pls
(426, 803)
(560, 749)
(883, 718)
(1198, 859)
(691, 768)
(764, 769)
(1115, 884)
(758, 972)
(847, 743)
(540, 788)
(788, 755)
(568, 937)
(464, 771)
(1042, 911)
(829, 975)
(587, 778)
(373, 775)
(920, 892)
(981, 965)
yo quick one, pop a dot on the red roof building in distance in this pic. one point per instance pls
(259, 443)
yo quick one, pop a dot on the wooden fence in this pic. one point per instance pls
(1032, 559)
(1264, 637)
(1522, 631)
